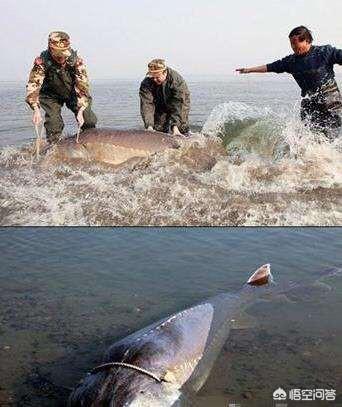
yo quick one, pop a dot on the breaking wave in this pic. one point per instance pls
(269, 170)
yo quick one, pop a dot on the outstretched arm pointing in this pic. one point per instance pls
(257, 69)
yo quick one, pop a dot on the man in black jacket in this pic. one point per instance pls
(312, 67)
(164, 99)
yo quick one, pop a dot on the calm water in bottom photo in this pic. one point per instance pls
(67, 294)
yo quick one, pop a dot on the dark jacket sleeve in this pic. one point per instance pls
(280, 66)
(177, 89)
(336, 55)
(147, 105)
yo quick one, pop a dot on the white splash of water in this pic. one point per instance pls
(302, 186)
(230, 112)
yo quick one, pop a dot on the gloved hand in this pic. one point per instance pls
(175, 131)
(149, 128)
(37, 117)
(79, 117)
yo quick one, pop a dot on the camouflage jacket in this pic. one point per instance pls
(47, 77)
(171, 97)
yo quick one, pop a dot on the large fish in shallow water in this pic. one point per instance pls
(161, 364)
(112, 147)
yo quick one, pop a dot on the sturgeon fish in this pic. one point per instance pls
(158, 365)
(112, 147)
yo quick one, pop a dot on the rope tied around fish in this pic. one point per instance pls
(128, 366)
(78, 134)
(39, 137)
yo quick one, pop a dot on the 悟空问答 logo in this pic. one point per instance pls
(279, 394)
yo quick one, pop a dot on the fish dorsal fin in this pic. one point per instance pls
(261, 276)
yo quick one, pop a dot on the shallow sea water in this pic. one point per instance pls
(67, 294)
(273, 171)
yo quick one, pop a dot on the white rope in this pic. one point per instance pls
(78, 134)
(249, 93)
(39, 136)
(127, 365)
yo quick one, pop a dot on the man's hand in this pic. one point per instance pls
(175, 131)
(37, 117)
(80, 118)
(242, 70)
(149, 128)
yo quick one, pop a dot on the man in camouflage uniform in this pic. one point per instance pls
(164, 99)
(59, 76)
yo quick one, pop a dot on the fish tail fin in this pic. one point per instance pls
(262, 276)
(261, 285)
(329, 272)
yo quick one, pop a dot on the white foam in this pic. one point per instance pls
(245, 187)
(231, 111)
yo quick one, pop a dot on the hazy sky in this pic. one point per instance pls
(197, 37)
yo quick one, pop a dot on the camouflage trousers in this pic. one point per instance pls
(53, 118)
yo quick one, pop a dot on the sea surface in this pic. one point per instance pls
(274, 171)
(67, 294)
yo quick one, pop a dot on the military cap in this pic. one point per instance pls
(59, 43)
(156, 66)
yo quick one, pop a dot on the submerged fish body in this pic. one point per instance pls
(159, 365)
(112, 147)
